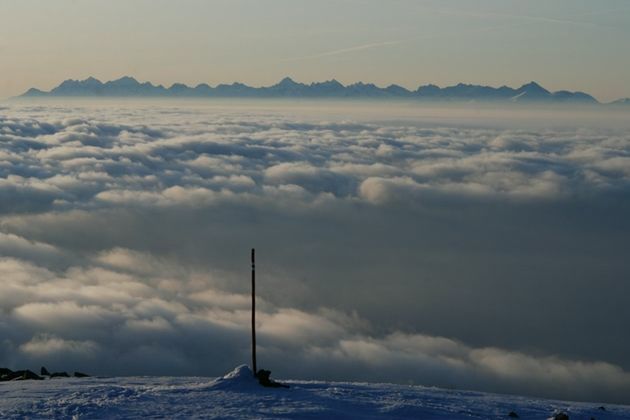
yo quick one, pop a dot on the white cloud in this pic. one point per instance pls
(123, 236)
(45, 345)
(83, 163)
(197, 327)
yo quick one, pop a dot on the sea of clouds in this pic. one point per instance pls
(485, 255)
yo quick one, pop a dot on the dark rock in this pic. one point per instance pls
(4, 374)
(513, 415)
(264, 380)
(602, 408)
(24, 375)
(561, 416)
(59, 375)
(44, 372)
(81, 375)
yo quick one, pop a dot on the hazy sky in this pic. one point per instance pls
(563, 44)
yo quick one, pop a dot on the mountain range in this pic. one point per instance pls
(288, 88)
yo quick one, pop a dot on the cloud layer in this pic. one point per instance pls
(124, 236)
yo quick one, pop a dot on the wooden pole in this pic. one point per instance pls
(254, 311)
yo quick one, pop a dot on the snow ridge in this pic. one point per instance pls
(237, 395)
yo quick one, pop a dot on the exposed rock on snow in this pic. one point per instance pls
(21, 375)
(265, 380)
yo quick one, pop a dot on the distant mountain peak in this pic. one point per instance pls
(334, 83)
(533, 87)
(532, 84)
(287, 81)
(34, 92)
(128, 86)
(69, 82)
(127, 79)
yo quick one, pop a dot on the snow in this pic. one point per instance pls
(237, 395)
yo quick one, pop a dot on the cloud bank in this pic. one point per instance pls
(478, 257)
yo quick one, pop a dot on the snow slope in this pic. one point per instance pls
(237, 395)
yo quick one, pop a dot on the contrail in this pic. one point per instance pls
(345, 50)
(472, 14)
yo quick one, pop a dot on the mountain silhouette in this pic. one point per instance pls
(288, 88)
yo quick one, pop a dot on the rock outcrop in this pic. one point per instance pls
(23, 375)
(265, 380)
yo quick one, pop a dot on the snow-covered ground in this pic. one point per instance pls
(237, 395)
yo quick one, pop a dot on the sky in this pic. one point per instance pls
(562, 44)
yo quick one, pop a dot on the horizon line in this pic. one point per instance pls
(347, 84)
(583, 97)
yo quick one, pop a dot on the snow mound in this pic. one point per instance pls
(241, 373)
(241, 377)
